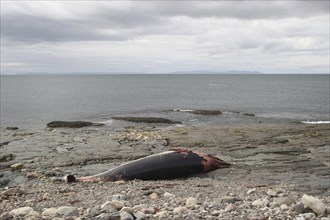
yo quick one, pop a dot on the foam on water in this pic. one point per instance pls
(316, 122)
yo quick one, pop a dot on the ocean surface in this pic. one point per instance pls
(33, 101)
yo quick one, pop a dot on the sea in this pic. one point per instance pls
(33, 101)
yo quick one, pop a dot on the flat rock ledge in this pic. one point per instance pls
(71, 124)
(146, 120)
(206, 112)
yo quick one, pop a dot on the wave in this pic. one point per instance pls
(107, 121)
(316, 122)
(183, 110)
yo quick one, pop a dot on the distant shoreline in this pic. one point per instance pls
(152, 74)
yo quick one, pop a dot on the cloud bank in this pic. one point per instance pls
(164, 36)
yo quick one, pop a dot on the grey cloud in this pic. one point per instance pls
(34, 29)
(104, 22)
(243, 9)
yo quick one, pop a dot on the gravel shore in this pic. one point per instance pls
(278, 172)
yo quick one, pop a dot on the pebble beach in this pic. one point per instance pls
(278, 172)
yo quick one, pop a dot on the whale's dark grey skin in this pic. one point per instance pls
(175, 163)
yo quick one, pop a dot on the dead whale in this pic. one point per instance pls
(176, 163)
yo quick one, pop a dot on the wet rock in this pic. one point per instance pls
(20, 212)
(12, 128)
(70, 124)
(205, 112)
(313, 203)
(67, 211)
(146, 120)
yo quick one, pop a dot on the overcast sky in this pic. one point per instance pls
(164, 36)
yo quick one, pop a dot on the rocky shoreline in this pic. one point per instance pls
(274, 166)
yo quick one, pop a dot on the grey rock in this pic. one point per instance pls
(126, 216)
(314, 203)
(6, 157)
(6, 216)
(256, 216)
(111, 206)
(139, 215)
(140, 207)
(12, 128)
(50, 212)
(298, 208)
(19, 212)
(67, 211)
(309, 216)
(284, 200)
(103, 216)
(168, 195)
(229, 199)
(180, 210)
(191, 201)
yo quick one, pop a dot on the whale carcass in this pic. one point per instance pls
(174, 163)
